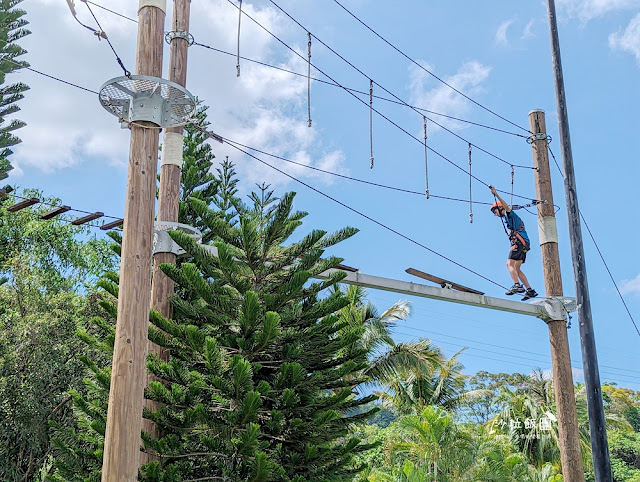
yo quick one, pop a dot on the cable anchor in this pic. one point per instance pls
(539, 137)
(169, 36)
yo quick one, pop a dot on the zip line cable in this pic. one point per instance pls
(365, 103)
(118, 59)
(427, 71)
(391, 93)
(364, 215)
(598, 249)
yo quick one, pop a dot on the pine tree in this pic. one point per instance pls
(11, 29)
(256, 387)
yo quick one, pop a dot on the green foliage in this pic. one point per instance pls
(12, 29)
(258, 386)
(44, 264)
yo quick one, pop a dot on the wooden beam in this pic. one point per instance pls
(23, 204)
(441, 281)
(87, 218)
(55, 212)
(113, 224)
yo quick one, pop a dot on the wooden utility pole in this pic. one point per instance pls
(595, 406)
(122, 437)
(569, 438)
(169, 192)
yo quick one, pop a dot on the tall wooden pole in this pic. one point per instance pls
(569, 438)
(169, 192)
(122, 437)
(595, 406)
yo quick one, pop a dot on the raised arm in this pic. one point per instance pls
(506, 207)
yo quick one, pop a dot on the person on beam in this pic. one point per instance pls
(519, 246)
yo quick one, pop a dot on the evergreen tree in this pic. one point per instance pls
(11, 30)
(256, 387)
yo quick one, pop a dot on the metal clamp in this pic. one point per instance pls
(163, 243)
(556, 307)
(540, 136)
(169, 36)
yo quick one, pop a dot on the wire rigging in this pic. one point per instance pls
(363, 102)
(388, 228)
(421, 109)
(426, 70)
(238, 56)
(110, 11)
(378, 97)
(599, 252)
(470, 202)
(104, 35)
(371, 122)
(294, 162)
(391, 93)
(426, 165)
(309, 78)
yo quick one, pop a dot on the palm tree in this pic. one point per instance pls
(434, 446)
(444, 387)
(388, 361)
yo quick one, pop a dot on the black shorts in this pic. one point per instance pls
(517, 252)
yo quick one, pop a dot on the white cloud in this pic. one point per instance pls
(263, 108)
(630, 286)
(439, 98)
(528, 29)
(629, 40)
(501, 33)
(586, 10)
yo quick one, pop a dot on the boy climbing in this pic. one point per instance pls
(519, 246)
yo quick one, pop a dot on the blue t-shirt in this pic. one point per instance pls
(515, 224)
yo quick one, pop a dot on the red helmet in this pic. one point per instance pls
(496, 205)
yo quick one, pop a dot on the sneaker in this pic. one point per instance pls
(516, 288)
(530, 293)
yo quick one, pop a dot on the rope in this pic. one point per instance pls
(470, 179)
(238, 54)
(426, 166)
(309, 77)
(512, 175)
(371, 122)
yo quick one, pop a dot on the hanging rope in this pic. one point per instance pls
(371, 122)
(511, 201)
(309, 78)
(470, 178)
(426, 166)
(238, 53)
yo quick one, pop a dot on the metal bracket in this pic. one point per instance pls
(169, 36)
(163, 243)
(538, 137)
(145, 98)
(556, 307)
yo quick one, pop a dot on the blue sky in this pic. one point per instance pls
(497, 54)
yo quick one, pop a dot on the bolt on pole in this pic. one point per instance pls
(122, 436)
(597, 424)
(568, 433)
